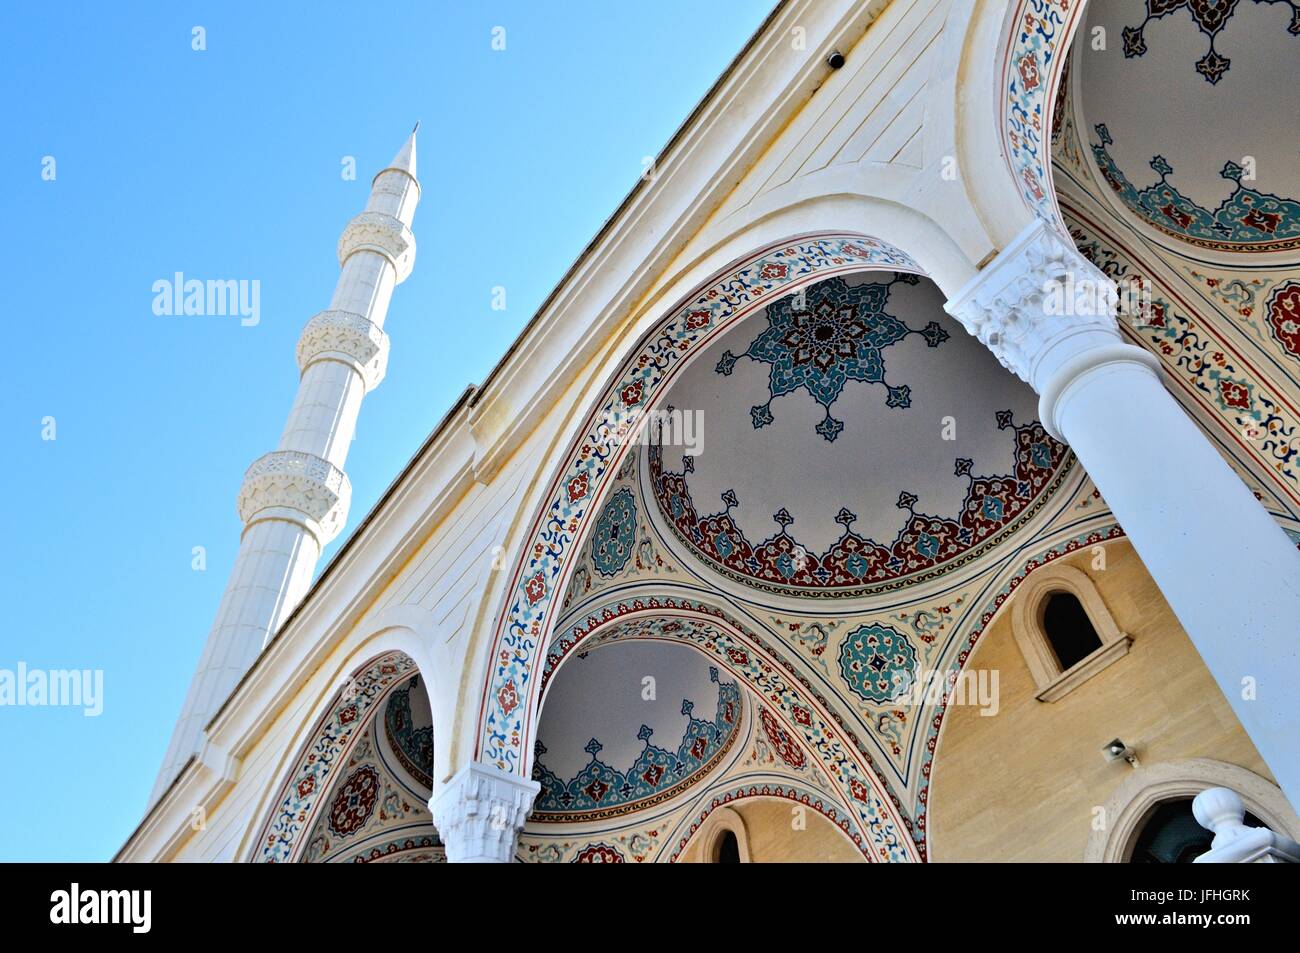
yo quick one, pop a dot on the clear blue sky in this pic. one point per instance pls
(226, 164)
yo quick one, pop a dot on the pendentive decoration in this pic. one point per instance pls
(826, 336)
(878, 663)
(615, 534)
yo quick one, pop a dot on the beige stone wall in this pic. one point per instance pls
(772, 839)
(1022, 785)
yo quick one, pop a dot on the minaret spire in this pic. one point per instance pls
(294, 500)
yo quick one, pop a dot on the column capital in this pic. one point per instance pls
(348, 338)
(480, 812)
(381, 233)
(1038, 290)
(1048, 314)
(299, 487)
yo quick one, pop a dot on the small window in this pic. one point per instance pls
(1068, 629)
(727, 849)
(1064, 630)
(1171, 835)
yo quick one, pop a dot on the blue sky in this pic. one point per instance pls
(226, 163)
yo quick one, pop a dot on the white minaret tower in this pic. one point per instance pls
(295, 499)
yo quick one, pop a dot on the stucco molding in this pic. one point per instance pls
(383, 234)
(300, 487)
(348, 338)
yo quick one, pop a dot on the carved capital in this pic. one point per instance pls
(349, 338)
(300, 487)
(1037, 291)
(480, 812)
(381, 233)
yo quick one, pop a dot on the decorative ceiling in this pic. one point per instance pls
(377, 810)
(1186, 120)
(629, 727)
(850, 438)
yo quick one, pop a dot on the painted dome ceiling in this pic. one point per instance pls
(849, 442)
(1189, 119)
(630, 725)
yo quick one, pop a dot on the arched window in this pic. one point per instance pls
(1172, 835)
(1149, 816)
(722, 838)
(726, 849)
(1068, 629)
(1064, 630)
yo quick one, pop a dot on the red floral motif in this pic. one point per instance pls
(858, 790)
(698, 747)
(578, 487)
(697, 319)
(780, 739)
(1031, 183)
(355, 801)
(596, 790)
(508, 697)
(773, 271)
(652, 774)
(599, 854)
(1234, 394)
(1029, 71)
(631, 394)
(1176, 215)
(802, 715)
(737, 656)
(853, 248)
(348, 715)
(1264, 221)
(306, 786)
(535, 589)
(1284, 316)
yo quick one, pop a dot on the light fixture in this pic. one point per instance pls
(1116, 750)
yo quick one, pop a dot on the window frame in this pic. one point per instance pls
(1054, 682)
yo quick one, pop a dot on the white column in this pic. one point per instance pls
(294, 500)
(480, 812)
(1230, 573)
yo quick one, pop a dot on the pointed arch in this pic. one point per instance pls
(510, 697)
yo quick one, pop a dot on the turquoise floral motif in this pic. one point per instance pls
(1246, 220)
(615, 535)
(878, 663)
(1211, 16)
(826, 336)
(659, 773)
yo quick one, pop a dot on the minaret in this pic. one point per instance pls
(294, 500)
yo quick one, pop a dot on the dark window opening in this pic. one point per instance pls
(1171, 835)
(728, 849)
(1068, 629)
